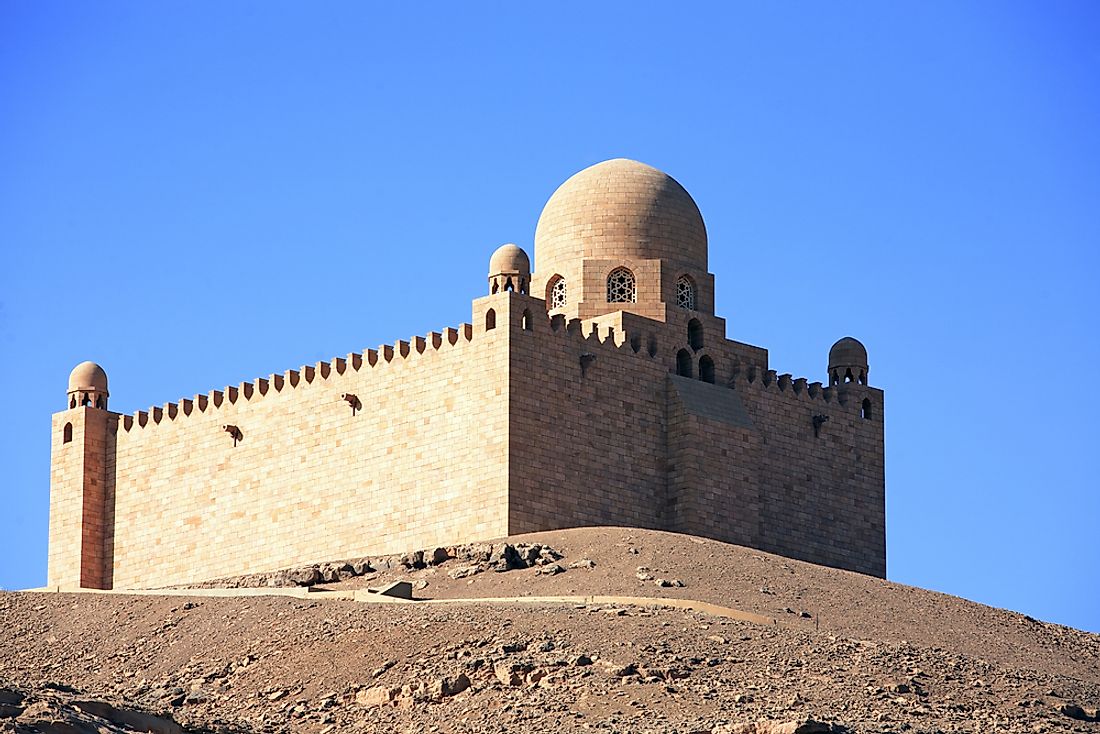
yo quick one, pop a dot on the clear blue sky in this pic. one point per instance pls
(196, 194)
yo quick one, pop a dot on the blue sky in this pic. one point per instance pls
(196, 194)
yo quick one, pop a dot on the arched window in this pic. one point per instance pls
(67, 434)
(526, 321)
(685, 293)
(556, 293)
(490, 320)
(621, 287)
(695, 334)
(683, 363)
(651, 347)
(706, 369)
(865, 411)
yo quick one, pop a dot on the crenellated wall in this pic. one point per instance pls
(421, 461)
(824, 491)
(515, 423)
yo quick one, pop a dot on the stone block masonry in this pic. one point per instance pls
(421, 460)
(626, 441)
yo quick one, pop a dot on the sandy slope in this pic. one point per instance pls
(886, 657)
(839, 602)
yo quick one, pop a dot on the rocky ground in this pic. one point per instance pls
(847, 653)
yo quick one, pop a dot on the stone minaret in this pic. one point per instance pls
(78, 555)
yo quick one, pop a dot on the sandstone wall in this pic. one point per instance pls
(626, 441)
(825, 495)
(422, 462)
(516, 424)
(715, 484)
(587, 431)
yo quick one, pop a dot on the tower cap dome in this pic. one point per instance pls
(509, 258)
(621, 209)
(88, 376)
(848, 352)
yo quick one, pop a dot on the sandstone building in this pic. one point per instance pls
(599, 389)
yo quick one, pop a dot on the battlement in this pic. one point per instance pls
(653, 344)
(320, 373)
(849, 395)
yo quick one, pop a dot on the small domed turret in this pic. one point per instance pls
(509, 270)
(88, 386)
(848, 362)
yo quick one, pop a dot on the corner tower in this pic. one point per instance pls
(622, 236)
(82, 447)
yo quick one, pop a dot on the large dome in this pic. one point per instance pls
(621, 209)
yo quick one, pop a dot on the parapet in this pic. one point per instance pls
(252, 391)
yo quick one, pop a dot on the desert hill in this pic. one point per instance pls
(845, 652)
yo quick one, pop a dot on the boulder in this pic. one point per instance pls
(465, 571)
(455, 685)
(511, 674)
(11, 703)
(664, 673)
(1074, 711)
(505, 558)
(305, 576)
(801, 726)
(438, 556)
(481, 553)
(436, 689)
(377, 696)
(385, 666)
(412, 560)
(529, 553)
(129, 720)
(547, 555)
(616, 670)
